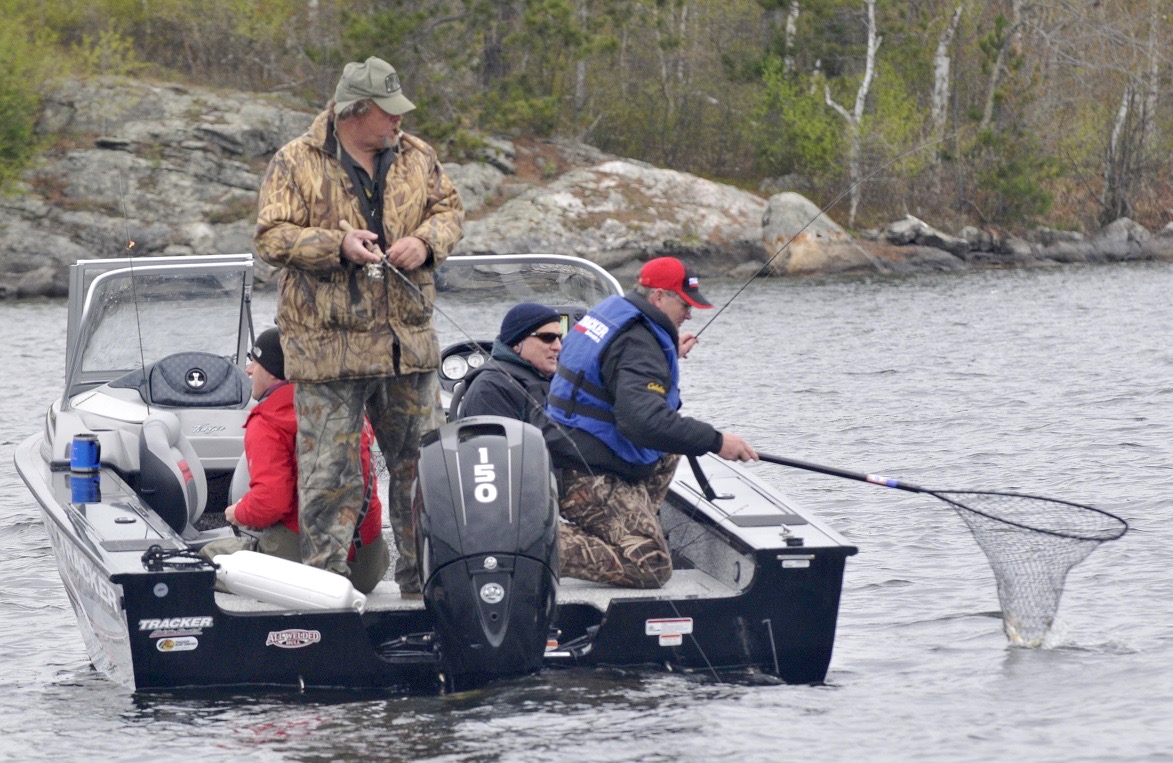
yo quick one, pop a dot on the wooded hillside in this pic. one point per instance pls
(994, 112)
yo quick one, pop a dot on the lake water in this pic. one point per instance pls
(1053, 381)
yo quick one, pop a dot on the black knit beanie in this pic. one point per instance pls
(522, 319)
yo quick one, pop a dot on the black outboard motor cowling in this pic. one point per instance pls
(486, 517)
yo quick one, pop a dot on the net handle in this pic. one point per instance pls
(874, 479)
(950, 497)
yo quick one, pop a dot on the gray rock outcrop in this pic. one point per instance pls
(166, 169)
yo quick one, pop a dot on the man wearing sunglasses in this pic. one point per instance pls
(616, 398)
(515, 382)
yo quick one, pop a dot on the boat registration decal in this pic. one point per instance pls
(177, 644)
(670, 630)
(293, 638)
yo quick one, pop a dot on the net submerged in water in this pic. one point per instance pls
(1031, 543)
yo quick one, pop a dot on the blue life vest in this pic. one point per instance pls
(577, 396)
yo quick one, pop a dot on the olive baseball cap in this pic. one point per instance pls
(375, 79)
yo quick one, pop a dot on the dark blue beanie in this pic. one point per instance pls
(522, 319)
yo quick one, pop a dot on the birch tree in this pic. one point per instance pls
(854, 117)
(1007, 41)
(941, 83)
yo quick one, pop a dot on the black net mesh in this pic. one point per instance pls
(1031, 543)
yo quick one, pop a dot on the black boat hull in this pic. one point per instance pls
(168, 629)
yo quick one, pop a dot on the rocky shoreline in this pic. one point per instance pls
(176, 169)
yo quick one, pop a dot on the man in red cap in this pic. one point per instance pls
(618, 433)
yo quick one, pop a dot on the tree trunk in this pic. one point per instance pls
(791, 33)
(941, 83)
(855, 116)
(999, 67)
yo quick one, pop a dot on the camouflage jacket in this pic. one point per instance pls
(335, 321)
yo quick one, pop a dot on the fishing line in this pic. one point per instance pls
(133, 287)
(822, 212)
(384, 263)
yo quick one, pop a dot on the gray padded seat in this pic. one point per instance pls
(171, 477)
(197, 380)
(240, 480)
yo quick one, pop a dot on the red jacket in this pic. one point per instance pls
(270, 442)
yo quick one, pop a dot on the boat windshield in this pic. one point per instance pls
(133, 317)
(474, 293)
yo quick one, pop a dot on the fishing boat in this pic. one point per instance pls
(142, 452)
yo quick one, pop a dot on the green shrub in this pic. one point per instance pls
(20, 86)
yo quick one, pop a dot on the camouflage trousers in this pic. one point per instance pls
(616, 536)
(330, 486)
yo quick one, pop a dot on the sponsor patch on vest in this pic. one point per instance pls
(657, 387)
(594, 328)
(293, 638)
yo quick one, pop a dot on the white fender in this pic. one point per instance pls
(290, 584)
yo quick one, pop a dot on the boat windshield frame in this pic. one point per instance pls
(219, 287)
(489, 285)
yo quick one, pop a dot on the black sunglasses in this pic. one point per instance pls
(251, 357)
(546, 337)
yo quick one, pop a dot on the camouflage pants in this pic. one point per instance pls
(616, 537)
(330, 487)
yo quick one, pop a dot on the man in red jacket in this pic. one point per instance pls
(270, 445)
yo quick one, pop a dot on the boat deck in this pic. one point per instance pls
(685, 584)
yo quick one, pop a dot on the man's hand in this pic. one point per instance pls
(230, 515)
(360, 246)
(733, 448)
(408, 253)
(688, 340)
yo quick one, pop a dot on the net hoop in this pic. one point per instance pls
(1114, 527)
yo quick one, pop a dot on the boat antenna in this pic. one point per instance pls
(133, 285)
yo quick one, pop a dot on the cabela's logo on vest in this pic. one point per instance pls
(293, 638)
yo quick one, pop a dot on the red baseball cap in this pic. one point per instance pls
(670, 274)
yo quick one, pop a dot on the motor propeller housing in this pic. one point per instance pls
(486, 515)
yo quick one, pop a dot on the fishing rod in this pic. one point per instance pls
(374, 270)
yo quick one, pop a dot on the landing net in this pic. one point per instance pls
(1031, 543)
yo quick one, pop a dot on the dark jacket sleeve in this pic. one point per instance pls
(637, 375)
(493, 393)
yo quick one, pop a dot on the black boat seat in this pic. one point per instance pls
(171, 479)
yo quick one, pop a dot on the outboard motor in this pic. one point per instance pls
(486, 514)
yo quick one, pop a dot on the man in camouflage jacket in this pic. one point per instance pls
(356, 334)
